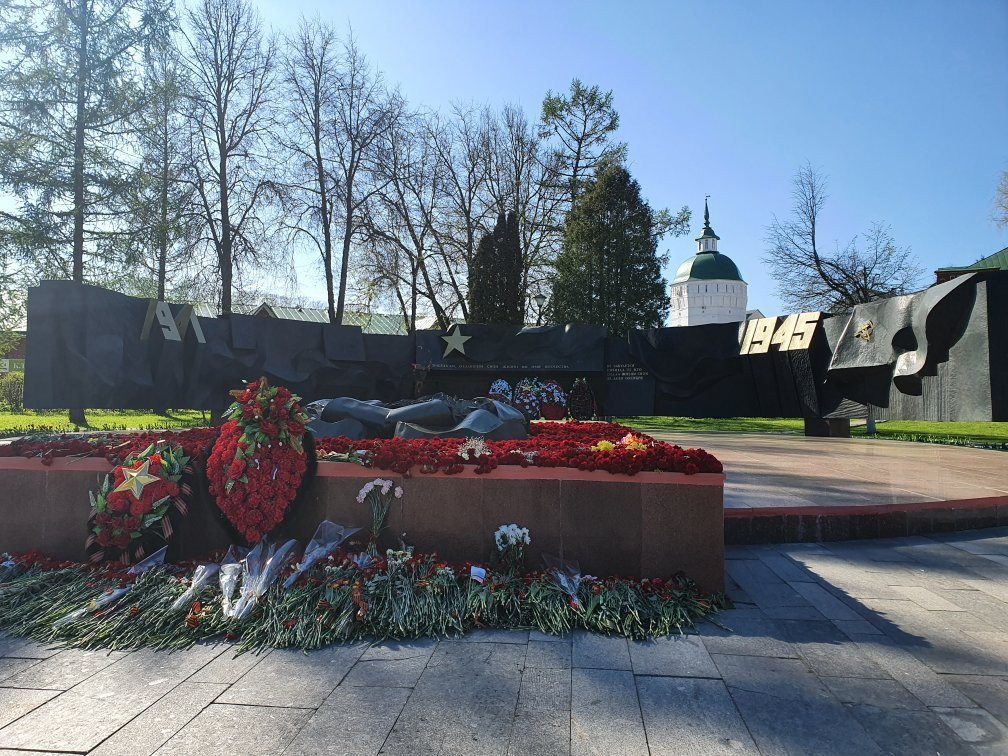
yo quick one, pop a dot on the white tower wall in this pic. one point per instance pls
(714, 301)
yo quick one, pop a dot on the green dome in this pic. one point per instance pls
(707, 266)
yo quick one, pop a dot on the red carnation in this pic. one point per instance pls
(236, 469)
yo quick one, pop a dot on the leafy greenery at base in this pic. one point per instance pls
(398, 597)
(40, 421)
(897, 430)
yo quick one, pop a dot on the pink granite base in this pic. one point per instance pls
(650, 524)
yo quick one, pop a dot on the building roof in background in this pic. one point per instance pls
(708, 266)
(997, 261)
(368, 322)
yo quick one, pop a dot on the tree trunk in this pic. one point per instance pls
(78, 157)
(224, 258)
(347, 235)
(326, 212)
(76, 415)
(162, 237)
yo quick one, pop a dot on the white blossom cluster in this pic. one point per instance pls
(511, 535)
(477, 446)
(381, 484)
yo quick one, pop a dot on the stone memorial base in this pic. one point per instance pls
(647, 525)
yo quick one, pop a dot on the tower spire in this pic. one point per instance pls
(707, 241)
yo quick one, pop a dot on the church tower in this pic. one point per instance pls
(707, 287)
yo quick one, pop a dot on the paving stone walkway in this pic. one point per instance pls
(863, 647)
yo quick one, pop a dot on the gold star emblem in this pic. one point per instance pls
(455, 341)
(135, 480)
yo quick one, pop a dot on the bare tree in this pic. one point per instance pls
(310, 191)
(523, 179)
(232, 69)
(462, 146)
(1001, 201)
(808, 278)
(360, 119)
(400, 220)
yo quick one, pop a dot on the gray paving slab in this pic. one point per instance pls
(786, 568)
(748, 637)
(288, 677)
(794, 612)
(542, 721)
(401, 649)
(464, 702)
(13, 666)
(978, 728)
(676, 656)
(226, 667)
(605, 714)
(16, 702)
(593, 651)
(803, 726)
(392, 664)
(353, 721)
(537, 635)
(547, 655)
(903, 732)
(980, 606)
(63, 670)
(926, 599)
(784, 679)
(495, 636)
(788, 710)
(23, 648)
(885, 694)
(910, 672)
(386, 673)
(987, 691)
(851, 628)
(691, 716)
(828, 605)
(762, 584)
(120, 692)
(225, 730)
(827, 651)
(156, 726)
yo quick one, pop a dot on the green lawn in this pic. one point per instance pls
(29, 421)
(996, 433)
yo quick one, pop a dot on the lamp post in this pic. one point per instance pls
(540, 300)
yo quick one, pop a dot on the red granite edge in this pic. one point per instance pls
(350, 470)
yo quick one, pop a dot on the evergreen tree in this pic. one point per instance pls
(69, 90)
(495, 291)
(609, 272)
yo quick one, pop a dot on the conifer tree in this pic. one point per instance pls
(609, 272)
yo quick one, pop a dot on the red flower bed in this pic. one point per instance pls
(550, 445)
(115, 447)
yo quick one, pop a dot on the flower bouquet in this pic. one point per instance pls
(526, 398)
(133, 511)
(553, 400)
(582, 400)
(261, 461)
(500, 390)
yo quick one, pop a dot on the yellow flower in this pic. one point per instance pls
(603, 446)
(630, 441)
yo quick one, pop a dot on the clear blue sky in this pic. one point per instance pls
(904, 105)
